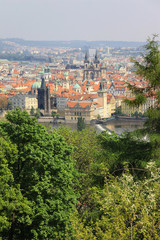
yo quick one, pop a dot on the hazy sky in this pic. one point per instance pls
(127, 20)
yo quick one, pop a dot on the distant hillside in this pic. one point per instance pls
(72, 44)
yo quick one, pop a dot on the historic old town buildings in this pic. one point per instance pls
(92, 91)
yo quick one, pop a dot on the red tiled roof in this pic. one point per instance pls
(82, 104)
(71, 104)
(96, 87)
(75, 97)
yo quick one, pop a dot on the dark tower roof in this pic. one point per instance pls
(96, 60)
(43, 84)
(86, 60)
(101, 86)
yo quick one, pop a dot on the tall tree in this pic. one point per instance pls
(81, 124)
(118, 111)
(12, 202)
(32, 113)
(149, 70)
(38, 113)
(45, 173)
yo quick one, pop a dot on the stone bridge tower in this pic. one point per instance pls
(44, 98)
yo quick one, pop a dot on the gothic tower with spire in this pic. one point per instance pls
(96, 60)
(44, 98)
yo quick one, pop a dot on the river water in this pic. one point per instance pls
(117, 125)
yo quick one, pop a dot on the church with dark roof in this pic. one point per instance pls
(93, 69)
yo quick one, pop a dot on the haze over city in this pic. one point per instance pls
(115, 20)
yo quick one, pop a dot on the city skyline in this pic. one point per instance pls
(89, 20)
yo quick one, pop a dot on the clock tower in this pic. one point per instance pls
(102, 98)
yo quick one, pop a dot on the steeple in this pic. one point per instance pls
(96, 55)
(96, 58)
(101, 86)
(43, 84)
(86, 60)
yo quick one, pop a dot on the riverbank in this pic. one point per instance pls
(116, 125)
(124, 125)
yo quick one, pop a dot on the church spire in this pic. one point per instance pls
(86, 60)
(96, 60)
(43, 84)
(101, 86)
(96, 55)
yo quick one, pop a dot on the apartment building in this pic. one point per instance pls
(25, 102)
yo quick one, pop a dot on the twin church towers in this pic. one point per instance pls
(93, 69)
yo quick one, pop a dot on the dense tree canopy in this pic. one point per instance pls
(12, 201)
(44, 172)
(128, 209)
(118, 185)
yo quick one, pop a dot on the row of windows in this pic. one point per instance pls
(18, 103)
(23, 101)
(75, 118)
(142, 107)
(77, 113)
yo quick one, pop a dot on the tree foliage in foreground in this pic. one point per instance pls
(128, 209)
(149, 70)
(110, 162)
(118, 183)
(128, 149)
(43, 174)
(12, 201)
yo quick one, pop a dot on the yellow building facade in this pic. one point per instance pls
(74, 110)
(127, 110)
